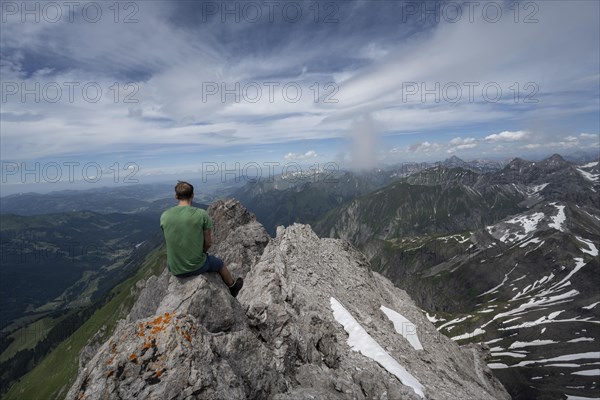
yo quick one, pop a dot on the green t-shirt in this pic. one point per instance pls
(183, 227)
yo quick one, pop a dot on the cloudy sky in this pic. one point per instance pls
(163, 87)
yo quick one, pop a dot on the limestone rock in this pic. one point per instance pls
(238, 238)
(189, 339)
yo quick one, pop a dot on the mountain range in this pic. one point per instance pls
(499, 258)
(508, 258)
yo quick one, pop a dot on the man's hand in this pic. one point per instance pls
(207, 240)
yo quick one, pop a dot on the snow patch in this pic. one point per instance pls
(454, 321)
(591, 305)
(525, 223)
(588, 175)
(589, 372)
(533, 190)
(359, 340)
(564, 365)
(581, 339)
(495, 288)
(530, 241)
(537, 342)
(432, 318)
(593, 250)
(509, 354)
(559, 219)
(476, 332)
(578, 265)
(538, 283)
(542, 320)
(497, 366)
(404, 327)
(568, 357)
(571, 397)
(459, 238)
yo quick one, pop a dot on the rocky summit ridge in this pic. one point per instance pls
(313, 321)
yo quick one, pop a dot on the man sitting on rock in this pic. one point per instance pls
(188, 234)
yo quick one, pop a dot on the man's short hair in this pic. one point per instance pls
(184, 190)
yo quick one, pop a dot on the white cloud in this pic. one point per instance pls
(587, 136)
(507, 136)
(531, 146)
(458, 141)
(424, 147)
(461, 147)
(568, 143)
(300, 156)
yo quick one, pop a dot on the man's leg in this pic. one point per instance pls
(216, 264)
(226, 275)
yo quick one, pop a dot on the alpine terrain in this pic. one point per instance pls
(506, 258)
(313, 321)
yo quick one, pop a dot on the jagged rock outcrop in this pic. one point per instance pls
(189, 339)
(239, 239)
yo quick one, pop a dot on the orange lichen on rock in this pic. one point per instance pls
(133, 358)
(157, 325)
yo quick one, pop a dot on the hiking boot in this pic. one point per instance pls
(236, 287)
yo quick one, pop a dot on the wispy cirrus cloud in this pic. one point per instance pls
(428, 88)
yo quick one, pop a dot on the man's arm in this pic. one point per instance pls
(207, 240)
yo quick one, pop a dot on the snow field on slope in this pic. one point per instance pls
(404, 327)
(567, 357)
(559, 219)
(359, 340)
(593, 250)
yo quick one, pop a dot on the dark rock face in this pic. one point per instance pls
(189, 339)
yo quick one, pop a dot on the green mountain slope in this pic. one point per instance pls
(54, 261)
(53, 376)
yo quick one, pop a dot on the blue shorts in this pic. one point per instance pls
(212, 264)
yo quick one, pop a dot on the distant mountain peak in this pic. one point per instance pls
(518, 161)
(555, 159)
(454, 160)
